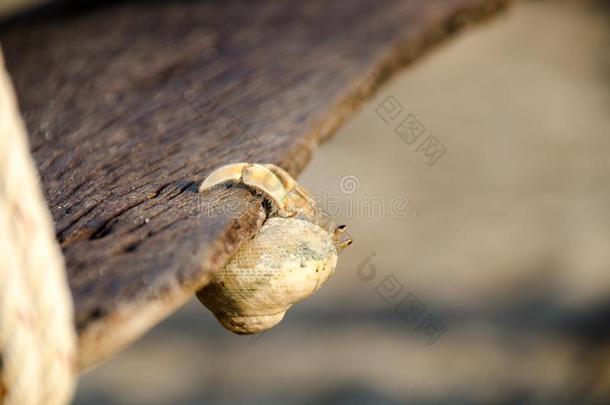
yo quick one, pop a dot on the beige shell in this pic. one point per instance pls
(287, 261)
(290, 257)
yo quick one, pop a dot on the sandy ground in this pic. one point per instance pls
(482, 278)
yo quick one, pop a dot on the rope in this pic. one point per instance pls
(37, 337)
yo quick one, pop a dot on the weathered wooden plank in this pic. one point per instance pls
(130, 106)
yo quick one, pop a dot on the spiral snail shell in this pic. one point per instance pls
(291, 256)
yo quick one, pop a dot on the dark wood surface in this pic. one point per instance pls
(131, 105)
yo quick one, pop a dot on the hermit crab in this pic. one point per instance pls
(291, 256)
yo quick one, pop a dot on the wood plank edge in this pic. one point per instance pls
(99, 340)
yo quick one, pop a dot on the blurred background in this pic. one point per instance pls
(480, 271)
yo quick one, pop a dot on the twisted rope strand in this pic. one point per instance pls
(37, 337)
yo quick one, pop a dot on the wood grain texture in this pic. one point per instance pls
(130, 106)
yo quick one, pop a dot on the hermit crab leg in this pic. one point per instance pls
(254, 175)
(263, 179)
(288, 182)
